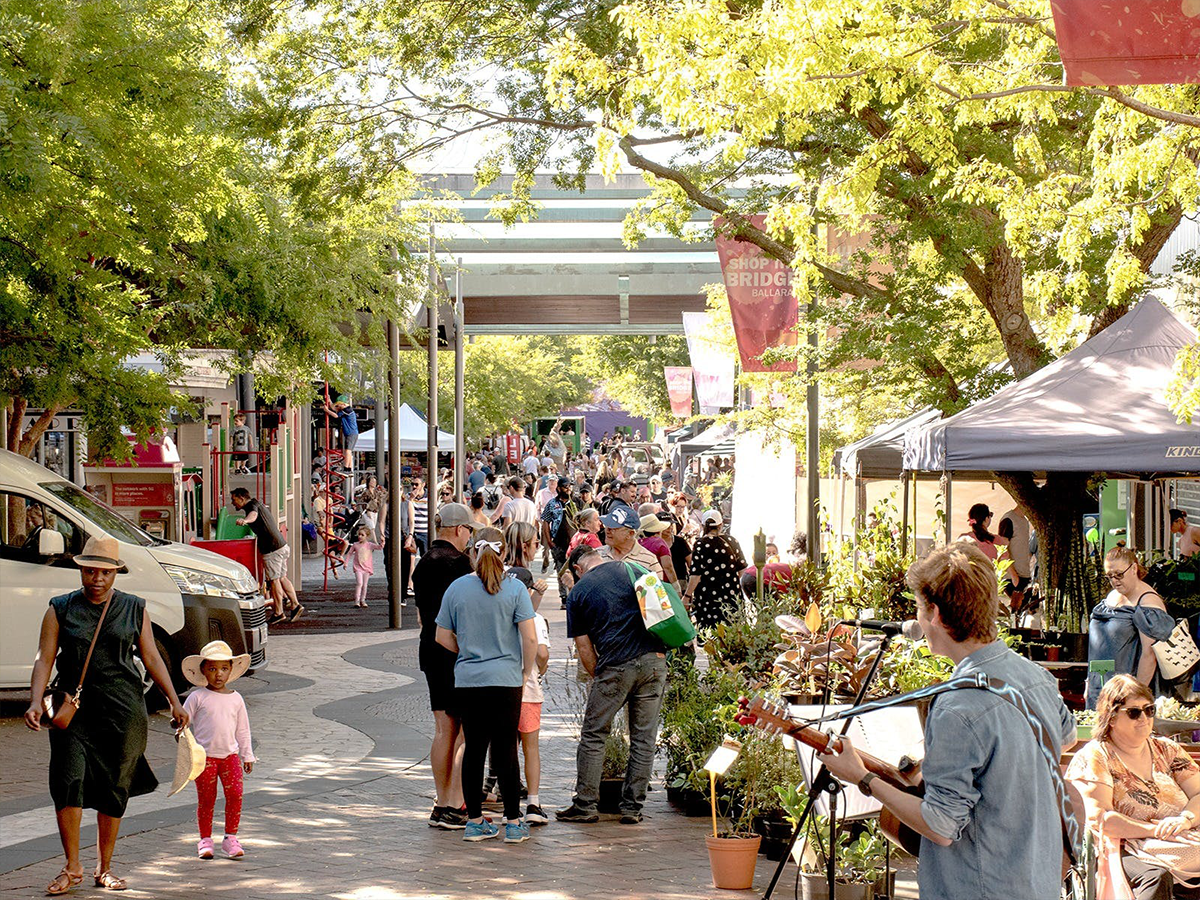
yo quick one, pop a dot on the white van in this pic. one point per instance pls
(194, 596)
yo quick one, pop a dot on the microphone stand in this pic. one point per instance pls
(824, 782)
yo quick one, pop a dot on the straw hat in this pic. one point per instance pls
(218, 651)
(100, 552)
(190, 759)
(652, 524)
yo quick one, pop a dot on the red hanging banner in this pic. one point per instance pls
(761, 303)
(679, 389)
(1128, 42)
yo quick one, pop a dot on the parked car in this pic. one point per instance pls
(194, 596)
(643, 459)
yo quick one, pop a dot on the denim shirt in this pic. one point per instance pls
(988, 788)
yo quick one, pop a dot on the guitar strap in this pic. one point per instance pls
(980, 681)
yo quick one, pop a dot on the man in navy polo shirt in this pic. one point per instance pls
(628, 665)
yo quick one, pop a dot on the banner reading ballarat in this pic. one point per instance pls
(761, 302)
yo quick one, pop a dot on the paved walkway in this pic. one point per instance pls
(338, 804)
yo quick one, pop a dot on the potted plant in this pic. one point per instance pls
(732, 854)
(616, 761)
(859, 862)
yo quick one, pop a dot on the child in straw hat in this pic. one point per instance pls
(222, 727)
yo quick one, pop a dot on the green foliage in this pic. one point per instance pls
(764, 763)
(616, 748)
(690, 725)
(873, 576)
(630, 367)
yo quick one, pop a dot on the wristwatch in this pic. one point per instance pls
(865, 784)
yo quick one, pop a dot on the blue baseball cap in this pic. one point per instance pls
(621, 516)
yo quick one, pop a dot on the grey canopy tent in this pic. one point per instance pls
(881, 453)
(1100, 408)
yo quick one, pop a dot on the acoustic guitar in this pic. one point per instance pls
(772, 718)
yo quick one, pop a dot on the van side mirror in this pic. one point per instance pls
(51, 542)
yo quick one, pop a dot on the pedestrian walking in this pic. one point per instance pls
(221, 726)
(628, 666)
(520, 541)
(486, 620)
(420, 515)
(275, 553)
(98, 761)
(558, 527)
(363, 563)
(713, 589)
(435, 571)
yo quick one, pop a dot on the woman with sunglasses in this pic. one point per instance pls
(1125, 625)
(1142, 797)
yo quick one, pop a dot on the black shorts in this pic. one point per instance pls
(439, 676)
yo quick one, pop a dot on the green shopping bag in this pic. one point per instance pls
(662, 609)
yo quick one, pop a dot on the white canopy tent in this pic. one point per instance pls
(414, 435)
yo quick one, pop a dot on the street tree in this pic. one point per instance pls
(989, 205)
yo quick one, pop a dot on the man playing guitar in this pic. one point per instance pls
(989, 821)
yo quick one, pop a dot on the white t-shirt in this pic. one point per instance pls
(533, 684)
(521, 509)
(530, 465)
(220, 723)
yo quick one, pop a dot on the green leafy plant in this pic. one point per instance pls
(616, 749)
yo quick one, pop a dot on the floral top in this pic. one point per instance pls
(1133, 796)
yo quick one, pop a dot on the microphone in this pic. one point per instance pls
(911, 628)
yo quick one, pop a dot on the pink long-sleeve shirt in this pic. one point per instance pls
(220, 723)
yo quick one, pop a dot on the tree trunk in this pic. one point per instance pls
(1055, 510)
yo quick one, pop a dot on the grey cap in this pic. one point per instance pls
(451, 515)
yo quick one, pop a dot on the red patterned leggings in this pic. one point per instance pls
(229, 770)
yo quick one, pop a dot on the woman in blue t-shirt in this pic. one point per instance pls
(487, 619)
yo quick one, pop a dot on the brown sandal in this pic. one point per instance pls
(64, 881)
(110, 882)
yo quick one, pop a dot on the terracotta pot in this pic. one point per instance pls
(732, 861)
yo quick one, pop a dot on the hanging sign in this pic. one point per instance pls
(1128, 42)
(712, 366)
(761, 303)
(679, 389)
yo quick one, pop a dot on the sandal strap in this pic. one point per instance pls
(110, 881)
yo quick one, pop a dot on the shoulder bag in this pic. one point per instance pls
(59, 707)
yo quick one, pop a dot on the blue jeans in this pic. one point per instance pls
(638, 683)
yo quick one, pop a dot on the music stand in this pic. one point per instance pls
(824, 783)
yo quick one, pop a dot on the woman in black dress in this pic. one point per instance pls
(717, 560)
(98, 761)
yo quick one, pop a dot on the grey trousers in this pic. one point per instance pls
(638, 684)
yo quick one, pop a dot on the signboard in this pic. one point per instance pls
(143, 494)
(759, 288)
(512, 449)
(679, 389)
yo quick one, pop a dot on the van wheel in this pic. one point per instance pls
(155, 699)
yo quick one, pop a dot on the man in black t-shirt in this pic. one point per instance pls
(436, 570)
(629, 666)
(275, 554)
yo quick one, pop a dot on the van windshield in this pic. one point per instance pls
(95, 511)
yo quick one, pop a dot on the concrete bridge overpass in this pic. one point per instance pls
(568, 271)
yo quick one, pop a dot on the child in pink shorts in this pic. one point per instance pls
(530, 722)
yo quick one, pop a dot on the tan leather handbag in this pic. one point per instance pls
(59, 707)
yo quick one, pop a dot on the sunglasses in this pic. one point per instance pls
(1117, 576)
(1136, 712)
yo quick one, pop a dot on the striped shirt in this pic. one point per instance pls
(421, 516)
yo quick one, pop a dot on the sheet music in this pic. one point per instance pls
(888, 734)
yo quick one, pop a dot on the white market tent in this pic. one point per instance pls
(707, 441)
(414, 435)
(1100, 408)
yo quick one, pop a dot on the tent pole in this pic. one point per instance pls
(904, 517)
(949, 517)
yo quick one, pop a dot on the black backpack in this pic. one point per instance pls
(491, 496)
